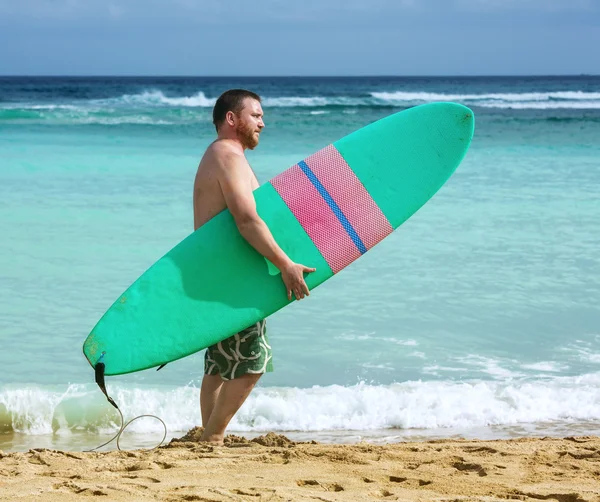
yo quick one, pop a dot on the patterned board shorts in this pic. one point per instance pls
(246, 352)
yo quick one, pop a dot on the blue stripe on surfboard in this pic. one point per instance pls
(334, 207)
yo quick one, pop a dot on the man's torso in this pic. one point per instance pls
(208, 196)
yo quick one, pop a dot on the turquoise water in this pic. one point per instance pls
(479, 317)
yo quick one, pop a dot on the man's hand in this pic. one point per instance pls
(293, 278)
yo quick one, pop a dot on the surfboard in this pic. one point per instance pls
(325, 212)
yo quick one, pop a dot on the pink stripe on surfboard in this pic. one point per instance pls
(350, 195)
(316, 217)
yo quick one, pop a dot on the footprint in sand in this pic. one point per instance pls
(481, 449)
(579, 455)
(409, 483)
(191, 496)
(307, 482)
(37, 459)
(328, 487)
(78, 490)
(139, 466)
(561, 497)
(165, 465)
(144, 478)
(381, 494)
(253, 492)
(466, 467)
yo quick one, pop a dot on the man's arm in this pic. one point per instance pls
(237, 191)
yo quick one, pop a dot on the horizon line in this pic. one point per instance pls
(490, 75)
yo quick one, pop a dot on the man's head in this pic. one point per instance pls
(239, 112)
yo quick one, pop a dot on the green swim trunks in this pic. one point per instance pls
(245, 352)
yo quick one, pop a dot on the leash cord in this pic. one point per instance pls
(99, 369)
(123, 427)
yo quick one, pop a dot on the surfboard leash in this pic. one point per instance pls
(99, 370)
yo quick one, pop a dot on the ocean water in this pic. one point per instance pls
(479, 317)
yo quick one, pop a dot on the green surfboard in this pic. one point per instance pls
(325, 212)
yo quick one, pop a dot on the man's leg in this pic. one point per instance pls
(231, 396)
(209, 392)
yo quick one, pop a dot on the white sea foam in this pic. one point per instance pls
(584, 351)
(577, 105)
(586, 355)
(134, 120)
(411, 405)
(434, 369)
(47, 107)
(490, 367)
(372, 337)
(526, 96)
(527, 100)
(546, 366)
(157, 98)
(316, 101)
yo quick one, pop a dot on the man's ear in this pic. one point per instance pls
(230, 118)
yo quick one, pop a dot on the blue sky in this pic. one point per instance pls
(309, 37)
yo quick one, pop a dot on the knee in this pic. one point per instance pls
(248, 379)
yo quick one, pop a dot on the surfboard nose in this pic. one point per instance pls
(461, 121)
(446, 130)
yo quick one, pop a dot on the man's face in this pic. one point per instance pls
(250, 123)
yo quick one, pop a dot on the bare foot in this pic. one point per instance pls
(213, 439)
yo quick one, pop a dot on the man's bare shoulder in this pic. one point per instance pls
(222, 154)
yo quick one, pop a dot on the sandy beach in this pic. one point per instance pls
(273, 468)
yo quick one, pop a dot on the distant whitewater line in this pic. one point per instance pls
(154, 108)
(155, 99)
(525, 96)
(546, 100)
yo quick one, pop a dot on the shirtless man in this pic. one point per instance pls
(225, 180)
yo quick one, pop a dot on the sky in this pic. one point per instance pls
(291, 37)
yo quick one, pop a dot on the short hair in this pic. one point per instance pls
(231, 101)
